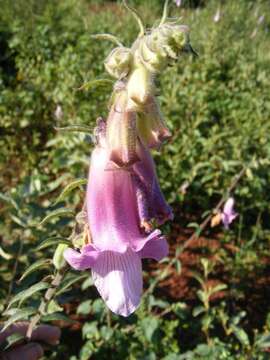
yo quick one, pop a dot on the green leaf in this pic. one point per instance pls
(53, 307)
(5, 255)
(87, 283)
(57, 213)
(21, 314)
(206, 321)
(198, 310)
(19, 221)
(70, 281)
(203, 350)
(13, 340)
(56, 317)
(193, 225)
(76, 128)
(97, 83)
(8, 199)
(198, 277)
(51, 242)
(241, 335)
(23, 295)
(85, 307)
(36, 266)
(263, 342)
(203, 296)
(149, 326)
(178, 266)
(217, 288)
(69, 188)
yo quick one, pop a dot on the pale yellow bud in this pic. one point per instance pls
(139, 86)
(118, 63)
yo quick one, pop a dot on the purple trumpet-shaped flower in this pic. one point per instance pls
(118, 202)
(228, 214)
(178, 2)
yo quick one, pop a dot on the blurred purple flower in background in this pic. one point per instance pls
(261, 19)
(228, 214)
(178, 2)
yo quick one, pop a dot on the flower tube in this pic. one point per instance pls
(119, 242)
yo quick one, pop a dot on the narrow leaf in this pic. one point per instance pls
(23, 295)
(198, 310)
(57, 213)
(56, 317)
(96, 83)
(72, 280)
(36, 266)
(8, 199)
(21, 314)
(69, 188)
(4, 254)
(218, 288)
(13, 340)
(76, 128)
(51, 242)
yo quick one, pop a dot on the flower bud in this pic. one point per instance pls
(154, 61)
(139, 86)
(58, 257)
(118, 62)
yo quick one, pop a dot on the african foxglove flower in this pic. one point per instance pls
(228, 214)
(120, 203)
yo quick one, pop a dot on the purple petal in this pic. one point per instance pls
(228, 206)
(81, 260)
(112, 204)
(156, 249)
(118, 278)
(228, 214)
(145, 170)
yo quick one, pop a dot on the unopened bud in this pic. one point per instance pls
(118, 62)
(58, 257)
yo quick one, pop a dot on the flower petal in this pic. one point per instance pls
(81, 260)
(112, 205)
(118, 278)
(156, 249)
(228, 206)
(145, 170)
(228, 214)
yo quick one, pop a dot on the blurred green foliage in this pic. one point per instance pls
(218, 109)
